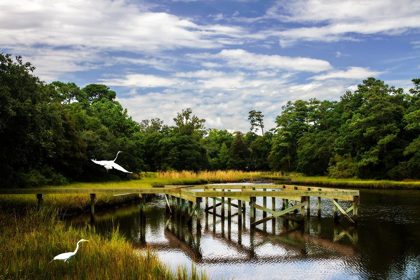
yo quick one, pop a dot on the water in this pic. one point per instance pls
(384, 244)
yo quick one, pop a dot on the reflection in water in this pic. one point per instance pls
(384, 245)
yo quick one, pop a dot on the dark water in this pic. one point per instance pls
(385, 244)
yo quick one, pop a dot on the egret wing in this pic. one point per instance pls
(101, 162)
(63, 256)
(120, 168)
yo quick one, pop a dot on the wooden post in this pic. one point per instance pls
(214, 214)
(229, 208)
(319, 207)
(92, 203)
(252, 209)
(183, 206)
(214, 205)
(239, 213)
(243, 206)
(302, 209)
(335, 210)
(198, 213)
(355, 210)
(308, 206)
(40, 198)
(283, 204)
(207, 202)
(264, 204)
(223, 208)
(190, 207)
(273, 207)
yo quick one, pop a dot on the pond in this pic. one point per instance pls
(385, 244)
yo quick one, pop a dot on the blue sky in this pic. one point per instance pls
(222, 58)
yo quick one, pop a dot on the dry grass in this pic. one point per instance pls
(212, 176)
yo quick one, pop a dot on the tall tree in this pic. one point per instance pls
(257, 120)
(239, 153)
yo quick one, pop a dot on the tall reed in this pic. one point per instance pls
(29, 242)
(212, 176)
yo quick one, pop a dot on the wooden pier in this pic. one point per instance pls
(295, 200)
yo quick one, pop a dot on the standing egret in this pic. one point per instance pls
(109, 164)
(66, 256)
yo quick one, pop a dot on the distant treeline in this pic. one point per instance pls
(49, 133)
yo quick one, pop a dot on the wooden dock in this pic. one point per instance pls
(295, 199)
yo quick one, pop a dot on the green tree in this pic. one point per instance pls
(223, 157)
(182, 148)
(37, 136)
(291, 125)
(239, 153)
(96, 92)
(213, 143)
(411, 167)
(257, 120)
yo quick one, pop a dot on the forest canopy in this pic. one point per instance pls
(49, 133)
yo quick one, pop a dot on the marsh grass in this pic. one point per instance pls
(69, 204)
(31, 241)
(212, 176)
(353, 183)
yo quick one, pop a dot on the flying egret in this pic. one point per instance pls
(109, 164)
(66, 256)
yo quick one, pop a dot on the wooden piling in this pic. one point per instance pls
(308, 206)
(92, 203)
(183, 206)
(40, 198)
(229, 208)
(198, 213)
(319, 207)
(239, 213)
(335, 210)
(302, 210)
(252, 209)
(355, 208)
(222, 209)
(273, 207)
(264, 204)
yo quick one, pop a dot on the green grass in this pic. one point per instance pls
(29, 242)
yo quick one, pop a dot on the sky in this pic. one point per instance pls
(221, 58)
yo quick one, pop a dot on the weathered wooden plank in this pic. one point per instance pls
(168, 204)
(185, 195)
(342, 211)
(282, 194)
(65, 190)
(211, 207)
(281, 213)
(265, 209)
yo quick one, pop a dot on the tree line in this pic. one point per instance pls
(49, 133)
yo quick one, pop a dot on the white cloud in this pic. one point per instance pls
(334, 20)
(416, 44)
(97, 29)
(350, 73)
(200, 74)
(238, 58)
(139, 80)
(226, 109)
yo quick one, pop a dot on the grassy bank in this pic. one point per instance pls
(228, 176)
(29, 242)
(348, 183)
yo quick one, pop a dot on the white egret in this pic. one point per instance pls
(109, 164)
(66, 256)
